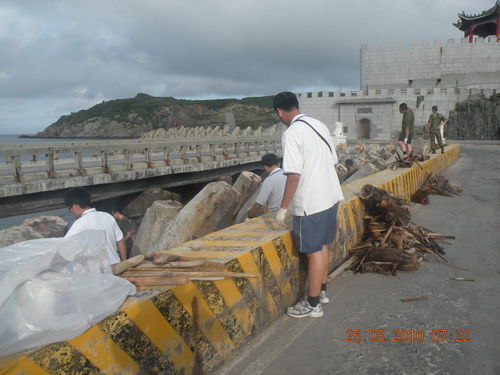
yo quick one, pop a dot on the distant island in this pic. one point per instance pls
(133, 117)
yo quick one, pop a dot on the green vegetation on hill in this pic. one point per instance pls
(144, 105)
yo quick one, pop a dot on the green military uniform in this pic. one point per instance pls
(434, 120)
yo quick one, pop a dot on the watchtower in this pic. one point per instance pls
(483, 25)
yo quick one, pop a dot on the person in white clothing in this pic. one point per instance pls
(272, 187)
(78, 202)
(309, 160)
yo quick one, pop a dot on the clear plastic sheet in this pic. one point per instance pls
(53, 289)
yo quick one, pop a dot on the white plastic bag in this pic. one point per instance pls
(54, 289)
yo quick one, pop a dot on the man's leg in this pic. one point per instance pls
(433, 142)
(440, 140)
(408, 148)
(403, 146)
(316, 270)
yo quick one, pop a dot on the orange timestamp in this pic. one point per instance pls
(407, 335)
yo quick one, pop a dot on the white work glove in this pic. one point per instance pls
(280, 217)
(340, 168)
(405, 141)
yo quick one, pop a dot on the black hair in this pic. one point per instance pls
(435, 107)
(403, 106)
(286, 101)
(349, 162)
(270, 160)
(77, 196)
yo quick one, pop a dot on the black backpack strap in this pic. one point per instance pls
(324, 140)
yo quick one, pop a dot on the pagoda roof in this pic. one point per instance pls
(484, 23)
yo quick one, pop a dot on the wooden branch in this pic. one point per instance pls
(118, 268)
(158, 281)
(388, 233)
(348, 263)
(189, 274)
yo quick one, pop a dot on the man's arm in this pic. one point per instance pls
(127, 236)
(122, 250)
(292, 181)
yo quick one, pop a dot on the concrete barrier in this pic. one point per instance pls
(193, 328)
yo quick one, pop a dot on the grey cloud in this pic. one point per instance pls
(71, 53)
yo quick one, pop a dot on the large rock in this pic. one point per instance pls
(378, 162)
(210, 210)
(246, 184)
(139, 205)
(242, 214)
(16, 234)
(32, 229)
(47, 226)
(475, 118)
(366, 170)
(153, 225)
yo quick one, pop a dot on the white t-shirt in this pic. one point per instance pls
(271, 192)
(306, 154)
(92, 219)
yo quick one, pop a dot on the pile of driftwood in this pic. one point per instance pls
(407, 161)
(435, 184)
(392, 242)
(159, 270)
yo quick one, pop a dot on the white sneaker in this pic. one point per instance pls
(323, 297)
(303, 309)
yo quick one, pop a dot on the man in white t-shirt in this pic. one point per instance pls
(78, 202)
(309, 159)
(271, 191)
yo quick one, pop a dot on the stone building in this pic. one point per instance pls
(420, 74)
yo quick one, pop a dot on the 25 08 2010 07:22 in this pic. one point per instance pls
(407, 335)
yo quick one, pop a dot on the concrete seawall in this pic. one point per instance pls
(193, 328)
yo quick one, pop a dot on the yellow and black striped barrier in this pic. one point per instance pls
(193, 328)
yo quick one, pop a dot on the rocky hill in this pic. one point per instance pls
(475, 118)
(132, 117)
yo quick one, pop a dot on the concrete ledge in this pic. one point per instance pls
(191, 329)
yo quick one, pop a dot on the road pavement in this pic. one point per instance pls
(455, 312)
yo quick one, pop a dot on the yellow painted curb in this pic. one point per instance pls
(193, 328)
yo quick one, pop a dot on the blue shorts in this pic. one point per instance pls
(311, 232)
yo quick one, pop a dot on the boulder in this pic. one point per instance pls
(226, 178)
(210, 210)
(153, 224)
(236, 131)
(246, 184)
(47, 226)
(366, 170)
(242, 213)
(16, 234)
(247, 131)
(258, 131)
(139, 205)
(380, 163)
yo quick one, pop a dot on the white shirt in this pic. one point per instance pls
(92, 219)
(306, 154)
(271, 192)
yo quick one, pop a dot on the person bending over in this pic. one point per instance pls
(272, 188)
(78, 202)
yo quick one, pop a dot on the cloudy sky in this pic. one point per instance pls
(58, 57)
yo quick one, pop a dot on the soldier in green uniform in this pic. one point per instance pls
(435, 119)
(407, 126)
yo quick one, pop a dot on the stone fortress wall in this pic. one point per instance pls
(440, 75)
(441, 65)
